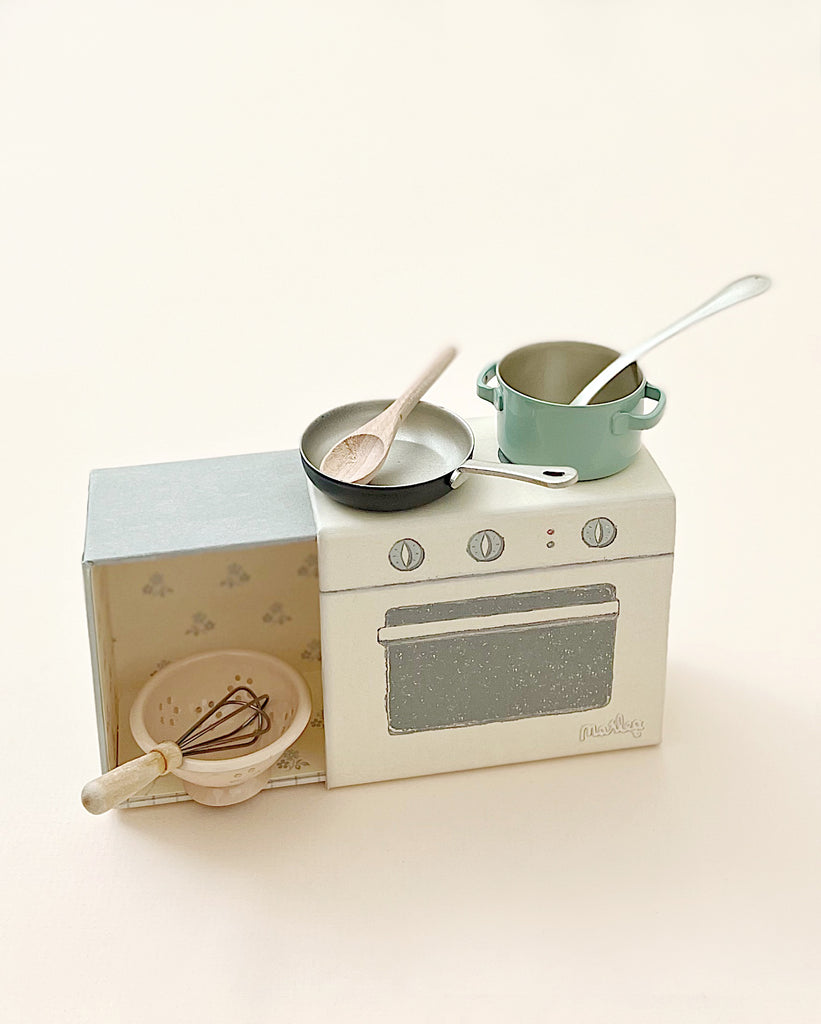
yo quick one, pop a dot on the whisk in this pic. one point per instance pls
(208, 734)
(236, 721)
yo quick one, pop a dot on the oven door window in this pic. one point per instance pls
(500, 658)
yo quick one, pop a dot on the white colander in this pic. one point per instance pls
(178, 695)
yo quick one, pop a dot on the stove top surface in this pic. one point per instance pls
(491, 525)
(479, 494)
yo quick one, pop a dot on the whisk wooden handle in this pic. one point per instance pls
(111, 789)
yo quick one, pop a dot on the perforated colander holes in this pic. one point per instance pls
(205, 705)
(238, 682)
(173, 709)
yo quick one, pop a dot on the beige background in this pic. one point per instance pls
(207, 211)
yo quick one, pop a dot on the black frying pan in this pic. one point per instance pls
(429, 458)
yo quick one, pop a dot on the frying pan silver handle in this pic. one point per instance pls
(545, 476)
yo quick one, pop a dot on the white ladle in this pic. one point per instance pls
(738, 291)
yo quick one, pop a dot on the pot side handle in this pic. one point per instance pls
(545, 476)
(624, 421)
(489, 394)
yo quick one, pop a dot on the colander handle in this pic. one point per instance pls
(111, 789)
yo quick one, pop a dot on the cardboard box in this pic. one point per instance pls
(184, 557)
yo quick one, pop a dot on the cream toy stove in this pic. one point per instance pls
(503, 623)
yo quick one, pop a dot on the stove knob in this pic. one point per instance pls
(406, 554)
(598, 533)
(486, 545)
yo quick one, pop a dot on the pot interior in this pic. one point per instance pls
(556, 371)
(431, 442)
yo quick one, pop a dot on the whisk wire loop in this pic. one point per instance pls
(242, 701)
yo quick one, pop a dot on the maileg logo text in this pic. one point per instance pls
(618, 724)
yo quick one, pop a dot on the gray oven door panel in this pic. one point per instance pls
(519, 656)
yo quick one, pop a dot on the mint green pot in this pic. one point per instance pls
(535, 425)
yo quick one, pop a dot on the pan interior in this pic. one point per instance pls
(430, 443)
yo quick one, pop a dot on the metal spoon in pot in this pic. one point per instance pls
(738, 291)
(359, 456)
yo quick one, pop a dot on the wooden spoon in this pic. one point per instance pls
(359, 456)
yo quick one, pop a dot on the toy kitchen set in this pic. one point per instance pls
(412, 596)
